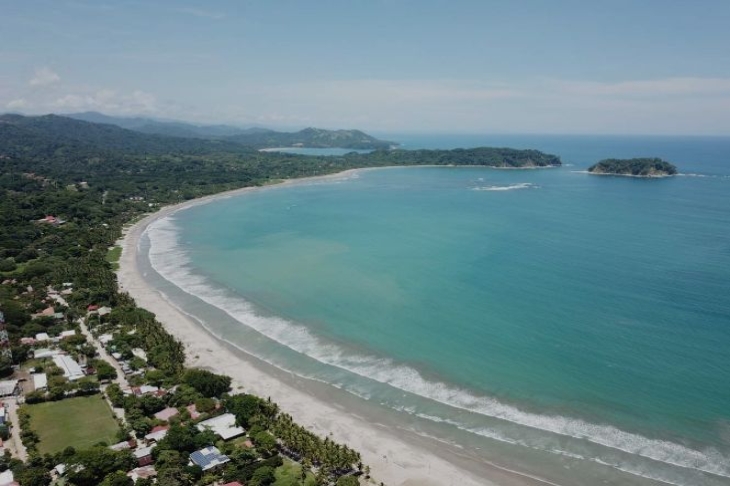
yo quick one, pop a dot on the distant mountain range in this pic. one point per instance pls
(251, 137)
(27, 135)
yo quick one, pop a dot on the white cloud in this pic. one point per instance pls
(109, 101)
(205, 14)
(17, 104)
(674, 87)
(534, 105)
(44, 77)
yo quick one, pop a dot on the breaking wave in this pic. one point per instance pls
(171, 262)
(511, 187)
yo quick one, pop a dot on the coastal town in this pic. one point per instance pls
(87, 406)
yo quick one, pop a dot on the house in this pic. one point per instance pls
(27, 340)
(102, 311)
(71, 369)
(208, 458)
(148, 390)
(47, 312)
(67, 334)
(166, 414)
(40, 381)
(124, 445)
(52, 220)
(157, 433)
(42, 336)
(105, 338)
(9, 387)
(194, 414)
(223, 426)
(139, 352)
(144, 472)
(44, 353)
(92, 308)
(143, 455)
(7, 478)
(59, 470)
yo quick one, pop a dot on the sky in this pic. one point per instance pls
(530, 66)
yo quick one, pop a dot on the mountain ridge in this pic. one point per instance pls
(255, 137)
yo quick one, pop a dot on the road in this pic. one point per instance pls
(17, 449)
(120, 380)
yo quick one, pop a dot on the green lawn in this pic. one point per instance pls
(112, 256)
(290, 474)
(79, 422)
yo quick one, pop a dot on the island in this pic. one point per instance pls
(637, 167)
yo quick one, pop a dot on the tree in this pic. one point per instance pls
(206, 383)
(169, 459)
(117, 478)
(6, 366)
(150, 404)
(179, 438)
(248, 407)
(87, 386)
(155, 377)
(205, 405)
(89, 467)
(173, 476)
(265, 443)
(104, 371)
(115, 394)
(33, 476)
(263, 476)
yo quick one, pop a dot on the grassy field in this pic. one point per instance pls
(79, 422)
(112, 256)
(290, 473)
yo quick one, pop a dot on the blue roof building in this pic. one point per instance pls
(208, 458)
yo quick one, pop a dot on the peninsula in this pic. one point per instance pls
(638, 167)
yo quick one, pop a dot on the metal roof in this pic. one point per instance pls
(208, 458)
(223, 425)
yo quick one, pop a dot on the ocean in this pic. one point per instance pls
(567, 326)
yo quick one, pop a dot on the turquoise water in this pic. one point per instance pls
(571, 326)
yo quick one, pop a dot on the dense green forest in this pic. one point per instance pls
(311, 137)
(640, 167)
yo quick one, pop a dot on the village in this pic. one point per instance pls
(87, 406)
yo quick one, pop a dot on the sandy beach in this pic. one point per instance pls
(393, 458)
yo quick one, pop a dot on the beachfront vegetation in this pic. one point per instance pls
(639, 167)
(113, 256)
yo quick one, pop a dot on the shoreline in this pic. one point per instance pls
(393, 459)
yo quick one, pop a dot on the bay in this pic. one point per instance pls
(584, 321)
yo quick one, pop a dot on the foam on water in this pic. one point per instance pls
(171, 262)
(511, 187)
